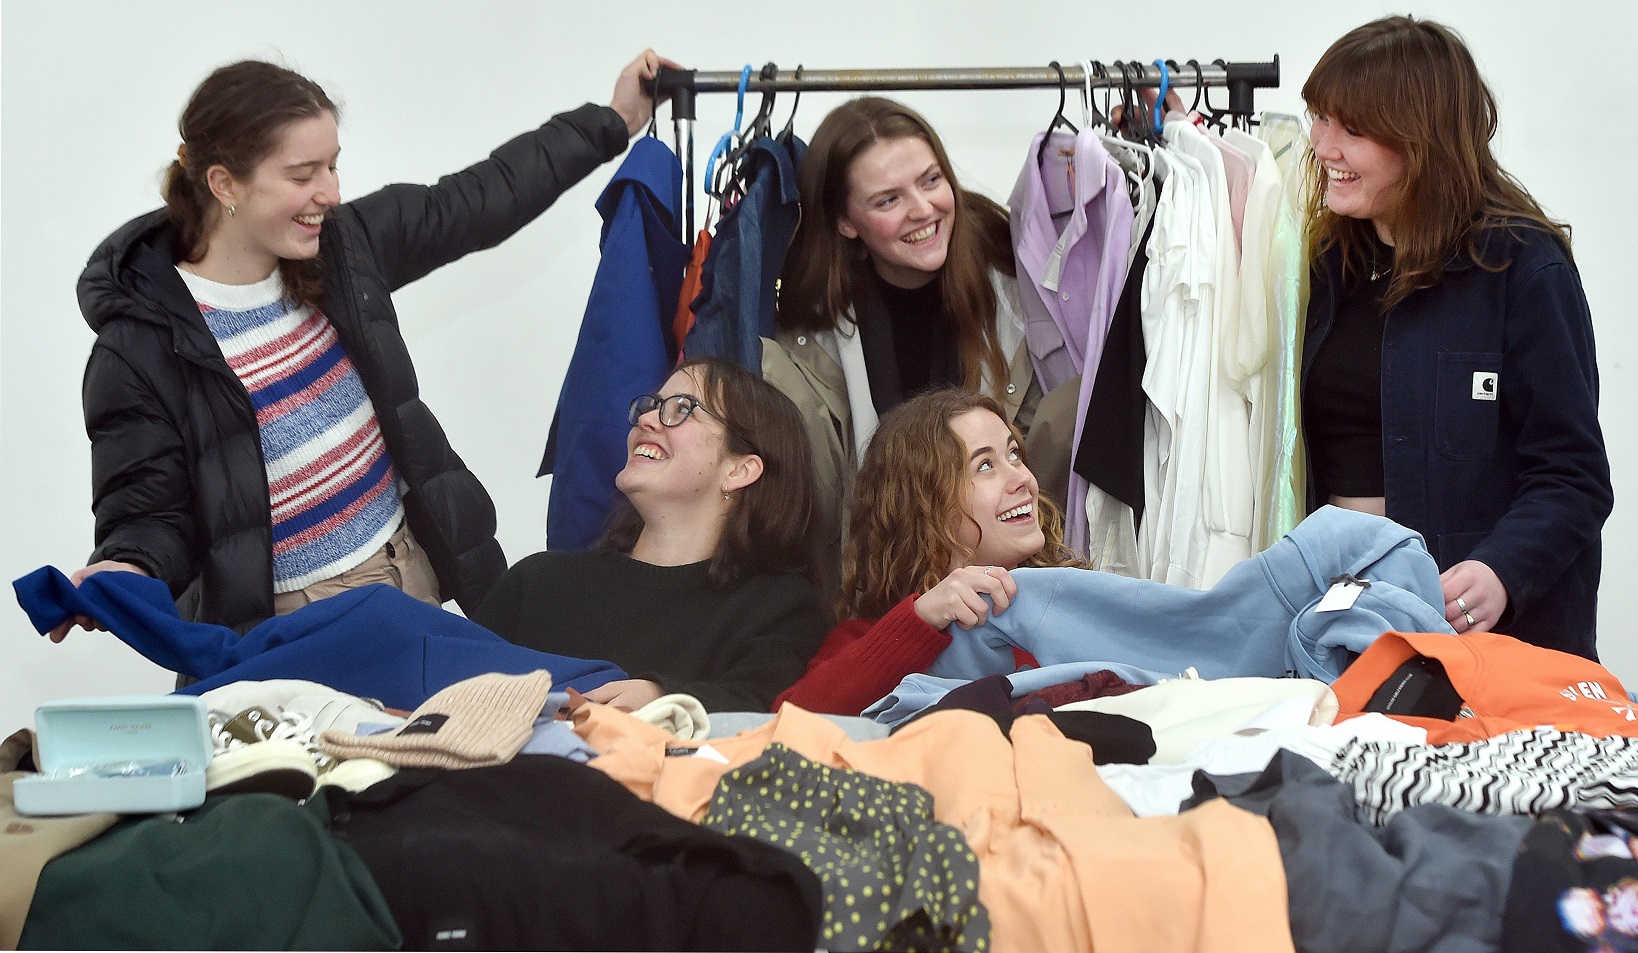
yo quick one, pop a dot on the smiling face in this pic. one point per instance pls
(688, 463)
(1001, 498)
(279, 210)
(1363, 177)
(901, 207)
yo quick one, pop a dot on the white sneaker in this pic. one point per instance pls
(327, 707)
(356, 774)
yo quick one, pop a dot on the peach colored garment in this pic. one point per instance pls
(1064, 863)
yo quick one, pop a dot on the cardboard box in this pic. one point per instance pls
(94, 732)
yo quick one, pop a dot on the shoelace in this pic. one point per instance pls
(267, 726)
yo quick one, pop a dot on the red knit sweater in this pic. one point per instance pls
(864, 659)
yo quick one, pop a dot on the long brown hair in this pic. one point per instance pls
(769, 522)
(235, 119)
(910, 501)
(1412, 86)
(823, 270)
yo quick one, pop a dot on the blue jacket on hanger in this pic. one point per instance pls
(622, 350)
(736, 306)
(1262, 619)
(374, 642)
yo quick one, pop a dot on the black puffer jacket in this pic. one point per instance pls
(178, 482)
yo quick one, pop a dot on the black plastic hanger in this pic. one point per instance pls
(787, 134)
(654, 105)
(1213, 115)
(1059, 120)
(1199, 85)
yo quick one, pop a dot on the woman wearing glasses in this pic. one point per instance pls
(702, 584)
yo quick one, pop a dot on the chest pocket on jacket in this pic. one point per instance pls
(1467, 405)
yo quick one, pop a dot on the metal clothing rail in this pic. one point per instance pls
(1241, 79)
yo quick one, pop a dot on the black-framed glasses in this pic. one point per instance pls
(673, 410)
(676, 409)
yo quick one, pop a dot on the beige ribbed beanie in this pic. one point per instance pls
(485, 720)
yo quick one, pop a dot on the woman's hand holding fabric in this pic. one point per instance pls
(958, 599)
(627, 694)
(85, 621)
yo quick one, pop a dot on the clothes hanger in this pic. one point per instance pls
(1160, 99)
(1199, 85)
(763, 119)
(713, 188)
(787, 134)
(654, 106)
(1213, 115)
(733, 187)
(1106, 131)
(1131, 116)
(1090, 116)
(1059, 120)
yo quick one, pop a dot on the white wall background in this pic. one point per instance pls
(90, 93)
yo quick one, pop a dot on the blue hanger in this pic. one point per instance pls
(728, 137)
(1165, 87)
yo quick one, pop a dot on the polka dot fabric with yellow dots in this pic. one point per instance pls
(894, 878)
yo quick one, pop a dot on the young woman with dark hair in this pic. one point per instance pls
(1449, 376)
(943, 509)
(897, 281)
(703, 584)
(257, 437)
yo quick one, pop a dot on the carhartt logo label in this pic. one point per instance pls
(424, 725)
(1484, 385)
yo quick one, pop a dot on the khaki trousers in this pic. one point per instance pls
(400, 562)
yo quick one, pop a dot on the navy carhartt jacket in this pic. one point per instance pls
(622, 349)
(1491, 447)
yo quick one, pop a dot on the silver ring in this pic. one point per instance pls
(1469, 617)
(988, 570)
(1461, 603)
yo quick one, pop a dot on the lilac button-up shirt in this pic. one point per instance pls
(1071, 230)
(1071, 225)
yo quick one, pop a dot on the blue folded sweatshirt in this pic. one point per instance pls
(1262, 619)
(374, 642)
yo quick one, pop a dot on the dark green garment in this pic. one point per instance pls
(244, 871)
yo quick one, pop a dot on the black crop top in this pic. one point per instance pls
(1342, 402)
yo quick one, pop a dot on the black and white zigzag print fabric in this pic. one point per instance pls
(1522, 772)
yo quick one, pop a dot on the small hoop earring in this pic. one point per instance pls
(232, 209)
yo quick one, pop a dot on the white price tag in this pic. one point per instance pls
(1341, 595)
(710, 754)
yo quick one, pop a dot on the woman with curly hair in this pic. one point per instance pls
(944, 508)
(898, 281)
